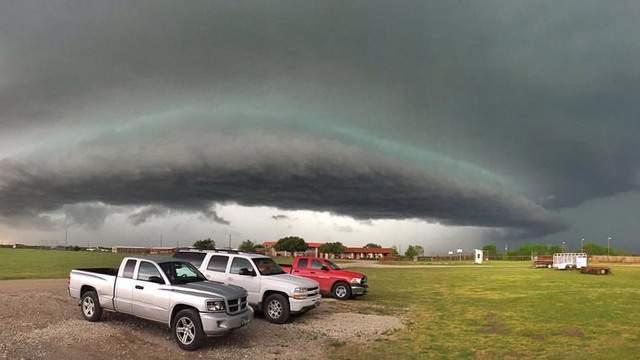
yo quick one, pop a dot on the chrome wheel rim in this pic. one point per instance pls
(88, 306)
(341, 291)
(274, 309)
(185, 330)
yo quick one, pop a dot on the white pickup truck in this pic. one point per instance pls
(165, 290)
(270, 289)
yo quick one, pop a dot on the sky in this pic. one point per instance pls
(448, 124)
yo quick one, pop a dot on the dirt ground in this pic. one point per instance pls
(39, 320)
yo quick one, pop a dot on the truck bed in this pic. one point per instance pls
(103, 271)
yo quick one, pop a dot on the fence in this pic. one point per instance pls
(616, 259)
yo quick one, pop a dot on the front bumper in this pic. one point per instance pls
(216, 324)
(299, 305)
(359, 289)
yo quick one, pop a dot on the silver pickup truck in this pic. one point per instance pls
(165, 290)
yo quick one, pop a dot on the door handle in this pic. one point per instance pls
(139, 287)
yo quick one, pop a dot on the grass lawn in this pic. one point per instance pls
(504, 312)
(46, 264)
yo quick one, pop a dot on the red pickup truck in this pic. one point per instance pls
(342, 284)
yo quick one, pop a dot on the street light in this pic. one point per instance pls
(608, 244)
(582, 244)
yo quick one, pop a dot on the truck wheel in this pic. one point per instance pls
(91, 309)
(187, 330)
(276, 309)
(341, 291)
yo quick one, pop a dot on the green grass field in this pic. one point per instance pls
(45, 264)
(506, 310)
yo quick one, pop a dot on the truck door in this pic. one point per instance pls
(123, 292)
(243, 274)
(215, 269)
(321, 276)
(148, 301)
(302, 268)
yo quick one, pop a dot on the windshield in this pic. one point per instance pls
(181, 272)
(333, 265)
(267, 266)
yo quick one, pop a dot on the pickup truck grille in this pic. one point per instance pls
(237, 305)
(313, 291)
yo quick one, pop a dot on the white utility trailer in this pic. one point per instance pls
(564, 261)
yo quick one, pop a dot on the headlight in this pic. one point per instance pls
(300, 293)
(215, 305)
(356, 280)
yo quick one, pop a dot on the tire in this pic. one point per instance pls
(341, 291)
(603, 272)
(276, 309)
(187, 330)
(90, 306)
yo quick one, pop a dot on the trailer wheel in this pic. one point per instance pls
(549, 266)
(603, 271)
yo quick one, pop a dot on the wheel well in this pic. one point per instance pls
(271, 292)
(86, 288)
(339, 282)
(177, 309)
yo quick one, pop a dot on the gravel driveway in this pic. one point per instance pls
(39, 320)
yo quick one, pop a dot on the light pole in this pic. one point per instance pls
(608, 244)
(582, 244)
(564, 248)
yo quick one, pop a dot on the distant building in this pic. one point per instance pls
(350, 252)
(144, 250)
(365, 253)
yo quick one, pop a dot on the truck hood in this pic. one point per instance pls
(347, 273)
(211, 289)
(293, 280)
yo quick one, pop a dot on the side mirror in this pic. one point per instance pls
(156, 279)
(324, 268)
(246, 272)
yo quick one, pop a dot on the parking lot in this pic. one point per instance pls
(39, 320)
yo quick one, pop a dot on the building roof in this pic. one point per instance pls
(367, 250)
(315, 245)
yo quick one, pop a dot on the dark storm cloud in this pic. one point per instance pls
(543, 94)
(142, 215)
(289, 173)
(280, 217)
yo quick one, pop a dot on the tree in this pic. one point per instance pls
(373, 245)
(419, 250)
(249, 246)
(394, 250)
(206, 244)
(291, 244)
(332, 248)
(490, 250)
(595, 249)
(411, 251)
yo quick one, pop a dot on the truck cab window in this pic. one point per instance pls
(128, 269)
(315, 264)
(238, 264)
(147, 270)
(302, 263)
(218, 263)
